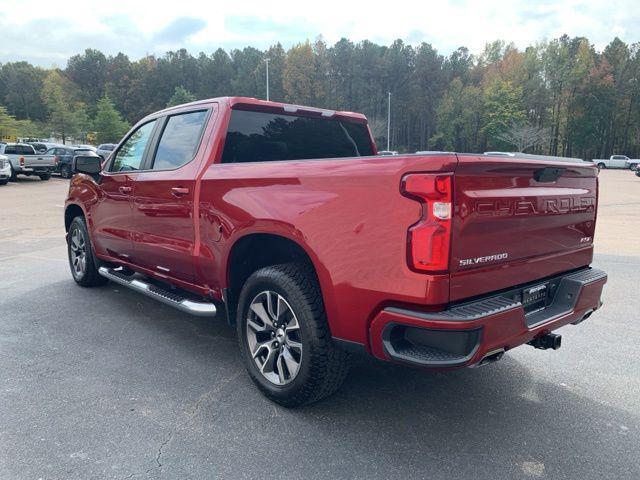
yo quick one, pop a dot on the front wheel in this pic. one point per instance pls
(284, 336)
(65, 171)
(82, 261)
(3, 182)
(601, 166)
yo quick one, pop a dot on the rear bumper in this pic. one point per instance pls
(36, 169)
(468, 332)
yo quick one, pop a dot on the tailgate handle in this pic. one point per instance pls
(548, 174)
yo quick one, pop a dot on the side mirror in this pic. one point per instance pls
(91, 165)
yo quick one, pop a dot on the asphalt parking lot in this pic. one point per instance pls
(104, 383)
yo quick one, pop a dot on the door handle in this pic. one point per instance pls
(179, 191)
(124, 189)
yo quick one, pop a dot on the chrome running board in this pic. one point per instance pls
(194, 307)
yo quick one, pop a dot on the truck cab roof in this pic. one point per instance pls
(250, 103)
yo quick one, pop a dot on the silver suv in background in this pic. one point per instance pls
(105, 149)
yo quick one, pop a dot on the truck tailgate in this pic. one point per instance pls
(33, 161)
(519, 220)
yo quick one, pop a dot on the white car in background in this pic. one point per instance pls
(5, 170)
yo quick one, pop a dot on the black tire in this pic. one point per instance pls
(322, 366)
(45, 176)
(4, 182)
(65, 171)
(601, 166)
(88, 276)
(14, 175)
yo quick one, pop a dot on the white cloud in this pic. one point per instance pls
(51, 33)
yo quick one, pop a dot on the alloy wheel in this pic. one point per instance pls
(273, 337)
(78, 248)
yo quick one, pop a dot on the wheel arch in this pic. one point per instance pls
(257, 250)
(72, 211)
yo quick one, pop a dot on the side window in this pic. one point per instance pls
(129, 157)
(180, 140)
(10, 150)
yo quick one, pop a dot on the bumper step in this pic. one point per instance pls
(173, 299)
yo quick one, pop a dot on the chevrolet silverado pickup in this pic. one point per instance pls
(283, 219)
(23, 160)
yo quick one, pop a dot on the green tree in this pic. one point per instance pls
(20, 90)
(83, 123)
(299, 77)
(89, 72)
(502, 110)
(180, 95)
(245, 64)
(459, 117)
(58, 94)
(108, 124)
(8, 126)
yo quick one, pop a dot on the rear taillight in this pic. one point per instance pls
(21, 161)
(429, 240)
(56, 159)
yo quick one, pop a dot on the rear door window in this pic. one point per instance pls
(263, 137)
(180, 140)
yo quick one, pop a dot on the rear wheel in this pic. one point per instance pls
(45, 176)
(65, 171)
(601, 166)
(14, 175)
(83, 263)
(284, 336)
(4, 182)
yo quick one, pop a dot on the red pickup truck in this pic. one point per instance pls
(283, 219)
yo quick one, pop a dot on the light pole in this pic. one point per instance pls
(267, 62)
(389, 123)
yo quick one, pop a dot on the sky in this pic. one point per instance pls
(47, 33)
